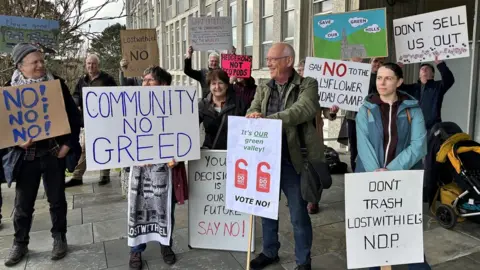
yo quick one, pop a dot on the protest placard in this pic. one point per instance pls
(14, 30)
(239, 66)
(140, 49)
(383, 218)
(442, 33)
(210, 33)
(34, 111)
(340, 83)
(211, 225)
(126, 126)
(361, 33)
(253, 166)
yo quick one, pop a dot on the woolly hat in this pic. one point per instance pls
(21, 50)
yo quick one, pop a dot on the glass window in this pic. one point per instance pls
(267, 29)
(289, 4)
(248, 35)
(265, 48)
(248, 10)
(219, 5)
(267, 8)
(234, 36)
(322, 6)
(179, 50)
(208, 11)
(289, 24)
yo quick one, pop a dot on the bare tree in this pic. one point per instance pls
(74, 17)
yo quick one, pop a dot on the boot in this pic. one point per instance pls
(17, 252)
(135, 262)
(74, 182)
(60, 247)
(104, 180)
(168, 255)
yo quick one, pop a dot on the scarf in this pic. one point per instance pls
(19, 79)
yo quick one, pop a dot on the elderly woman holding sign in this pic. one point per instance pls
(152, 193)
(34, 160)
(399, 141)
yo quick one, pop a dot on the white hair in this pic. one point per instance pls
(93, 56)
(288, 50)
(214, 54)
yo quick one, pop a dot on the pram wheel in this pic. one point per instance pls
(446, 216)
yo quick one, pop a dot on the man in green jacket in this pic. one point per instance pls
(293, 100)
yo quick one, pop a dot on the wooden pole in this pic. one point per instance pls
(387, 267)
(249, 250)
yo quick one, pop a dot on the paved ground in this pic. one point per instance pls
(97, 226)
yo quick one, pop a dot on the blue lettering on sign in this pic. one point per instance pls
(145, 115)
(24, 106)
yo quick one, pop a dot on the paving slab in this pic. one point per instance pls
(76, 236)
(329, 261)
(79, 257)
(117, 252)
(110, 230)
(5, 245)
(464, 263)
(43, 221)
(214, 261)
(76, 190)
(99, 213)
(92, 199)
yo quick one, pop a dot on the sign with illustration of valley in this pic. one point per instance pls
(342, 36)
(14, 30)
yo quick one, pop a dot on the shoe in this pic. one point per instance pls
(135, 262)
(313, 208)
(60, 247)
(104, 180)
(74, 182)
(304, 267)
(262, 261)
(17, 252)
(168, 255)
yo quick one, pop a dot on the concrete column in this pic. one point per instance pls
(257, 34)
(339, 6)
(277, 21)
(240, 21)
(149, 14)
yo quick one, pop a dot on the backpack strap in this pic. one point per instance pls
(409, 117)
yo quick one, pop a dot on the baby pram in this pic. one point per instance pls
(456, 173)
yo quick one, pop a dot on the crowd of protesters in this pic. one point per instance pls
(287, 96)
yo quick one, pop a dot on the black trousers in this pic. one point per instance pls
(352, 142)
(52, 170)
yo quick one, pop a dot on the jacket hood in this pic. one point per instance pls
(407, 101)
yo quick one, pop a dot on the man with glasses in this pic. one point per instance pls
(293, 100)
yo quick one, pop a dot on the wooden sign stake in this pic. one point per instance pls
(249, 250)
(387, 267)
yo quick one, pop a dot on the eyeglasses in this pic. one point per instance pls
(274, 59)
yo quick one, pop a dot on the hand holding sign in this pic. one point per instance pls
(254, 115)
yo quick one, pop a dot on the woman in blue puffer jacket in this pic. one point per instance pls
(391, 133)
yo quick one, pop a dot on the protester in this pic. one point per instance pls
(244, 89)
(93, 78)
(293, 100)
(124, 81)
(429, 92)
(155, 175)
(399, 142)
(201, 75)
(215, 108)
(328, 113)
(38, 160)
(376, 63)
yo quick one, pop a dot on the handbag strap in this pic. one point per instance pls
(218, 131)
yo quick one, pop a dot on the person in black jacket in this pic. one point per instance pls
(201, 75)
(40, 159)
(93, 77)
(214, 109)
(429, 92)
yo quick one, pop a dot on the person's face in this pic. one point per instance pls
(300, 69)
(278, 64)
(148, 80)
(218, 88)
(376, 64)
(92, 65)
(213, 62)
(33, 65)
(387, 81)
(426, 73)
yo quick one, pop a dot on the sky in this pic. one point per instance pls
(112, 9)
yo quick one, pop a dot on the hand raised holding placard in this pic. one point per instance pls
(189, 52)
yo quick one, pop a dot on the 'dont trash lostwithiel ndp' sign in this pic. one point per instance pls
(132, 126)
(383, 218)
(34, 111)
(341, 83)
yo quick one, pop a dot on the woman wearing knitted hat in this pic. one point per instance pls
(39, 159)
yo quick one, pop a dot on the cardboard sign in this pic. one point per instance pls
(239, 66)
(140, 49)
(253, 166)
(383, 218)
(211, 225)
(34, 111)
(14, 30)
(210, 33)
(127, 126)
(340, 83)
(441, 33)
(351, 34)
